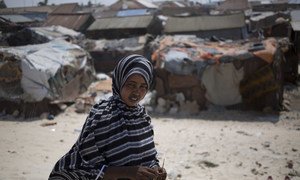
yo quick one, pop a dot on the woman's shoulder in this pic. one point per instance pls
(104, 104)
(103, 109)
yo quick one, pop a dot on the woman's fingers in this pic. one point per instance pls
(146, 173)
(162, 173)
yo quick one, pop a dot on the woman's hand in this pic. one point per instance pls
(135, 173)
(146, 173)
(162, 173)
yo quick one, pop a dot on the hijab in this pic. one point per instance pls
(132, 64)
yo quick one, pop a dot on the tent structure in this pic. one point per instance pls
(54, 71)
(246, 75)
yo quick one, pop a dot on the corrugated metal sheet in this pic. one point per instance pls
(262, 15)
(294, 2)
(234, 5)
(296, 26)
(121, 23)
(147, 4)
(47, 9)
(202, 23)
(66, 8)
(71, 21)
(119, 5)
(133, 12)
(137, 4)
(17, 18)
(37, 16)
(174, 4)
(295, 20)
(295, 15)
(178, 4)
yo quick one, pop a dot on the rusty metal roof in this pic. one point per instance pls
(46, 9)
(72, 21)
(202, 23)
(66, 8)
(121, 23)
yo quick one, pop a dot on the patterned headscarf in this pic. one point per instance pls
(132, 64)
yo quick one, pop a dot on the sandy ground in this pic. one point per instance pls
(218, 144)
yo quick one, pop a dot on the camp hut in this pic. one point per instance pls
(33, 77)
(230, 26)
(124, 27)
(239, 74)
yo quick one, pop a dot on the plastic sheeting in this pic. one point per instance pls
(222, 83)
(190, 55)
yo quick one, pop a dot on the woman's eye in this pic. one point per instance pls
(130, 86)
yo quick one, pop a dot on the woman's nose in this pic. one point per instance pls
(136, 90)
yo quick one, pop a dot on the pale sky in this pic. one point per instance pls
(24, 3)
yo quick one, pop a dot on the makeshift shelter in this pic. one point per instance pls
(281, 28)
(124, 27)
(239, 74)
(230, 26)
(40, 74)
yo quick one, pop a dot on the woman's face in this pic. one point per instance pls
(134, 90)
